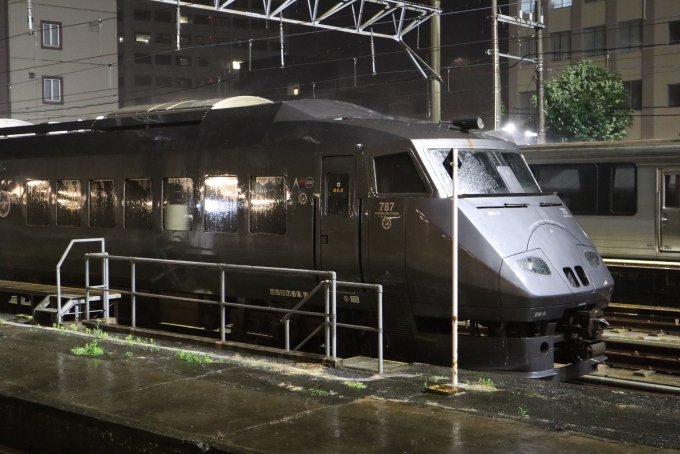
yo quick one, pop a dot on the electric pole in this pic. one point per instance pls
(435, 61)
(539, 73)
(496, 67)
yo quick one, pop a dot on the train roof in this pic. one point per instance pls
(258, 111)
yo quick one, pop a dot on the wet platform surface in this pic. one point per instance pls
(138, 397)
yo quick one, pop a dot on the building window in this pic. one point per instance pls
(142, 37)
(37, 202)
(52, 90)
(51, 35)
(630, 35)
(184, 19)
(203, 63)
(163, 81)
(143, 81)
(184, 82)
(200, 19)
(561, 45)
(560, 3)
(221, 21)
(68, 203)
(141, 14)
(202, 40)
(162, 16)
(163, 59)
(594, 40)
(634, 90)
(184, 40)
(163, 38)
(526, 107)
(142, 59)
(94, 26)
(674, 32)
(674, 95)
(240, 23)
(182, 61)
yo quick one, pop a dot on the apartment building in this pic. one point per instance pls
(60, 66)
(640, 39)
(212, 48)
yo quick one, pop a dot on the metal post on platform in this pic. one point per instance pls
(87, 287)
(286, 326)
(328, 320)
(334, 317)
(59, 293)
(133, 296)
(223, 309)
(380, 329)
(105, 267)
(454, 262)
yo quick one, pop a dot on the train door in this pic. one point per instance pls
(669, 211)
(338, 220)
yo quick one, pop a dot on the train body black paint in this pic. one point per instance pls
(315, 185)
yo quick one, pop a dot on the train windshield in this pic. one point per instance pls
(485, 172)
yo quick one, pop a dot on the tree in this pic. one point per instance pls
(587, 104)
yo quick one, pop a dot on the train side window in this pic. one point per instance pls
(37, 202)
(138, 204)
(268, 205)
(623, 189)
(338, 191)
(102, 203)
(396, 174)
(575, 184)
(221, 204)
(671, 191)
(178, 201)
(68, 203)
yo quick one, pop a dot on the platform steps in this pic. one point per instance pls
(72, 307)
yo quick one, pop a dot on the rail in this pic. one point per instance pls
(329, 285)
(105, 274)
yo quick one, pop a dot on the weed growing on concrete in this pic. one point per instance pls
(356, 384)
(99, 334)
(319, 392)
(129, 340)
(74, 328)
(88, 331)
(522, 412)
(193, 357)
(89, 349)
(59, 327)
(439, 378)
(485, 381)
(128, 354)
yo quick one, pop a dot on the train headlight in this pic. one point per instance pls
(534, 265)
(592, 258)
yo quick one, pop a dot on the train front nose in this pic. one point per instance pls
(556, 269)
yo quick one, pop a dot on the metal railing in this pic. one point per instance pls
(329, 285)
(105, 274)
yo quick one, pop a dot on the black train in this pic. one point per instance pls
(315, 185)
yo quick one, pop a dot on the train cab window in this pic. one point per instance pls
(138, 204)
(178, 202)
(37, 202)
(102, 203)
(268, 205)
(623, 189)
(337, 196)
(221, 204)
(671, 191)
(575, 184)
(68, 203)
(396, 174)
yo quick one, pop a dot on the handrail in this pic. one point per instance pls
(330, 285)
(61, 262)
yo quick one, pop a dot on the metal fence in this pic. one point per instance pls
(329, 286)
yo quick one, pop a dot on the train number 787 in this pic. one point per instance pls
(386, 206)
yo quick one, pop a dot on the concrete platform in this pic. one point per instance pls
(138, 397)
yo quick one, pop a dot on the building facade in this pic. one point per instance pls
(212, 49)
(639, 39)
(64, 67)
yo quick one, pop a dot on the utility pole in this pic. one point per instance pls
(539, 72)
(496, 67)
(435, 61)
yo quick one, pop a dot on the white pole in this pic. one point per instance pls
(454, 263)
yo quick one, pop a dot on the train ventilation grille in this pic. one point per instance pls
(397, 315)
(571, 277)
(582, 276)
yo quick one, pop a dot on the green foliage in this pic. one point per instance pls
(356, 384)
(99, 334)
(89, 349)
(320, 392)
(128, 354)
(486, 381)
(193, 357)
(587, 104)
(522, 412)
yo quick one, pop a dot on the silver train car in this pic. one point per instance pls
(626, 196)
(315, 184)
